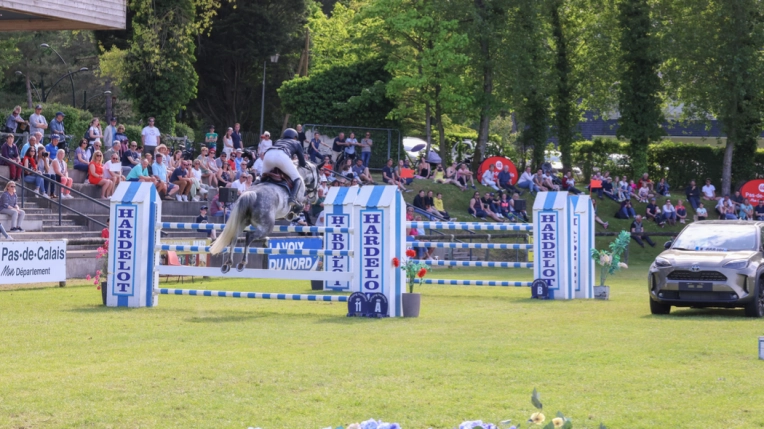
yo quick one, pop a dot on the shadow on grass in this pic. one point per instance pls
(701, 314)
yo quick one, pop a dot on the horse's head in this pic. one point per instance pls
(310, 177)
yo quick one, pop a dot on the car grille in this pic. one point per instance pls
(708, 276)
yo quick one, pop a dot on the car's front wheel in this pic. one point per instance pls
(658, 308)
(755, 308)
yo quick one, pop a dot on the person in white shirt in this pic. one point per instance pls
(547, 180)
(37, 122)
(265, 143)
(669, 212)
(240, 184)
(488, 179)
(94, 132)
(109, 133)
(114, 176)
(150, 137)
(709, 191)
(258, 165)
(526, 181)
(228, 142)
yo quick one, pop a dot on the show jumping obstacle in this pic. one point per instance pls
(365, 230)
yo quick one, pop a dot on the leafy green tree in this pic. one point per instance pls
(564, 93)
(716, 69)
(640, 89)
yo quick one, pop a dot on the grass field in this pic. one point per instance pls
(475, 353)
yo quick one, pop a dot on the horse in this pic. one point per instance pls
(260, 208)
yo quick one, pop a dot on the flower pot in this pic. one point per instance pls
(602, 292)
(316, 285)
(411, 304)
(103, 292)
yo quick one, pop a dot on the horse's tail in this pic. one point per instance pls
(236, 223)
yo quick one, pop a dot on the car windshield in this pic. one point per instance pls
(717, 238)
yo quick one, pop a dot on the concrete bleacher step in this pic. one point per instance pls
(54, 235)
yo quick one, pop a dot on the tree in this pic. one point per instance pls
(564, 94)
(716, 69)
(639, 100)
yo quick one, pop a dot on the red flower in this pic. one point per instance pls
(421, 273)
(396, 262)
(411, 253)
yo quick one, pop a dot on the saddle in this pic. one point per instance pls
(277, 177)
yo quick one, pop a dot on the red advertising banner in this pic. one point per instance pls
(753, 190)
(499, 162)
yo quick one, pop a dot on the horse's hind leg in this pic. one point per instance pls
(228, 258)
(250, 237)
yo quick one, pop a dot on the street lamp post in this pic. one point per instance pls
(85, 99)
(274, 59)
(20, 73)
(47, 46)
(69, 74)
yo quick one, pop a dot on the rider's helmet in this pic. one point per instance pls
(289, 133)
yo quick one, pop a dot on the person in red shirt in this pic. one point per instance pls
(105, 231)
(645, 179)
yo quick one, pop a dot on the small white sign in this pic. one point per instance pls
(32, 262)
(761, 348)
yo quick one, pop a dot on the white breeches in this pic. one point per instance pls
(279, 159)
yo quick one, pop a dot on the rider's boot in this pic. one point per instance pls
(293, 194)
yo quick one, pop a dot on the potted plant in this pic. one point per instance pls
(103, 256)
(414, 269)
(610, 262)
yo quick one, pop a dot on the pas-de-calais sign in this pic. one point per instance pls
(553, 255)
(32, 262)
(338, 214)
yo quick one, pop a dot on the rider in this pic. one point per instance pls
(280, 156)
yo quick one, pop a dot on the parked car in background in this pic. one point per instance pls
(716, 263)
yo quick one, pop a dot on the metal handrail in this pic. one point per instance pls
(58, 200)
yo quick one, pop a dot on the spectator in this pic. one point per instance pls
(318, 206)
(759, 210)
(438, 204)
(366, 144)
(347, 170)
(626, 211)
(624, 189)
(681, 212)
(464, 175)
(218, 209)
(526, 181)
(110, 133)
(488, 179)
(423, 169)
(225, 176)
(663, 187)
(737, 199)
(13, 122)
(439, 176)
(362, 172)
(121, 142)
(634, 191)
(709, 191)
(57, 126)
(693, 195)
(211, 138)
(451, 176)
(519, 212)
(505, 180)
(95, 132)
(11, 152)
(236, 136)
(212, 167)
(746, 210)
(644, 194)
(548, 181)
(175, 161)
(638, 232)
(82, 156)
(52, 147)
(258, 166)
(314, 148)
(32, 142)
(476, 206)
(9, 206)
(130, 158)
(726, 208)
(30, 162)
(644, 180)
(140, 172)
(96, 176)
(505, 206)
(202, 218)
(491, 203)
(113, 171)
(338, 146)
(538, 181)
(301, 135)
(159, 171)
(37, 122)
(182, 180)
(608, 190)
(228, 142)
(669, 213)
(62, 174)
(195, 174)
(419, 200)
(568, 183)
(388, 176)
(45, 169)
(486, 201)
(652, 212)
(150, 137)
(701, 212)
(350, 144)
(399, 173)
(165, 155)
(409, 213)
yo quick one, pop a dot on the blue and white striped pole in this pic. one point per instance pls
(256, 250)
(253, 295)
(476, 226)
(448, 245)
(472, 282)
(488, 264)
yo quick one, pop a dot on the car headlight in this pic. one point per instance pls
(662, 262)
(736, 265)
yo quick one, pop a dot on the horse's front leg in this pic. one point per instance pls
(249, 238)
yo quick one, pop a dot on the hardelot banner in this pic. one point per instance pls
(32, 262)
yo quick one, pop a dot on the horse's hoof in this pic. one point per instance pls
(240, 266)
(225, 268)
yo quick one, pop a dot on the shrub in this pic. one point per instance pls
(133, 133)
(76, 121)
(183, 130)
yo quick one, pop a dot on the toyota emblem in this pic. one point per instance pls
(695, 268)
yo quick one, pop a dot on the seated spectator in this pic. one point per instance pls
(439, 176)
(701, 212)
(218, 209)
(116, 175)
(347, 170)
(626, 211)
(96, 176)
(159, 171)
(662, 188)
(488, 179)
(637, 232)
(464, 175)
(52, 147)
(82, 156)
(645, 180)
(210, 163)
(569, 183)
(633, 189)
(526, 181)
(759, 210)
(681, 212)
(33, 177)
(202, 218)
(450, 177)
(195, 174)
(429, 202)
(548, 182)
(423, 169)
(693, 195)
(182, 180)
(669, 213)
(608, 190)
(624, 190)
(303, 218)
(140, 173)
(652, 212)
(737, 199)
(745, 210)
(62, 173)
(644, 194)
(225, 175)
(726, 208)
(519, 212)
(476, 207)
(362, 172)
(402, 176)
(419, 200)
(388, 176)
(438, 205)
(9, 206)
(505, 206)
(409, 214)
(538, 181)
(487, 201)
(130, 158)
(709, 191)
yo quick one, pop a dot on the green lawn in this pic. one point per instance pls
(475, 353)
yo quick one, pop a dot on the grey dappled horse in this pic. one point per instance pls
(260, 208)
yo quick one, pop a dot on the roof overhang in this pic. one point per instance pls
(50, 15)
